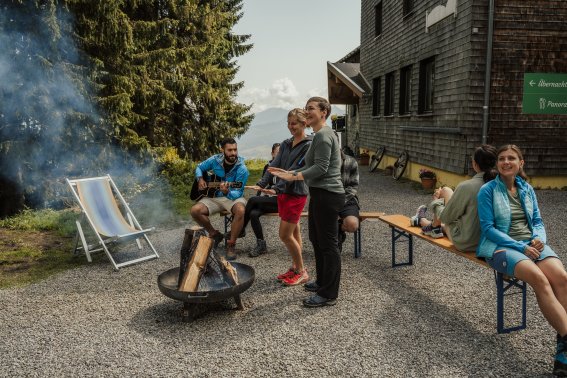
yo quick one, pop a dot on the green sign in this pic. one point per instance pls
(545, 93)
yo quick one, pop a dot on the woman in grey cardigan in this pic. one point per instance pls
(322, 173)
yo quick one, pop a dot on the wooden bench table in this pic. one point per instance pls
(357, 234)
(403, 232)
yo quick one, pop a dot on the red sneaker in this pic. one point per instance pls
(285, 275)
(298, 278)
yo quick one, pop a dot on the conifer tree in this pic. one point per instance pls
(166, 69)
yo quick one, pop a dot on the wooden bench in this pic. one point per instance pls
(403, 232)
(363, 215)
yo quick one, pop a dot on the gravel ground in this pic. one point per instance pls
(435, 318)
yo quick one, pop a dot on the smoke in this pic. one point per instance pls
(50, 128)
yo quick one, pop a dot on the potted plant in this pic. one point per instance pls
(428, 178)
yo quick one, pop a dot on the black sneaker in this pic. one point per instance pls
(560, 364)
(260, 248)
(311, 286)
(318, 301)
(434, 232)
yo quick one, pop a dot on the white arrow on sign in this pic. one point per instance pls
(532, 83)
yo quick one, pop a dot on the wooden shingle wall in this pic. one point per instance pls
(530, 36)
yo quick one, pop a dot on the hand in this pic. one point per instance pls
(202, 184)
(537, 244)
(268, 191)
(437, 193)
(254, 187)
(224, 187)
(283, 174)
(531, 252)
(275, 169)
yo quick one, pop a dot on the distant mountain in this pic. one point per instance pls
(267, 128)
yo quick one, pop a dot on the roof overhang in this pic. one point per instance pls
(346, 84)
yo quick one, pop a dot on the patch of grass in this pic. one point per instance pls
(28, 256)
(61, 222)
(36, 244)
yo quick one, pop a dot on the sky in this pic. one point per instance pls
(293, 40)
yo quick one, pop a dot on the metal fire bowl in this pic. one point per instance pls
(167, 283)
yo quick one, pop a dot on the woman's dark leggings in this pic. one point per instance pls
(324, 208)
(255, 208)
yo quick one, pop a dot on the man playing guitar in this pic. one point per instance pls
(230, 168)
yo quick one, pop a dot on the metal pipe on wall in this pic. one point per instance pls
(487, 77)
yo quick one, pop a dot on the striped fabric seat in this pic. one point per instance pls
(97, 198)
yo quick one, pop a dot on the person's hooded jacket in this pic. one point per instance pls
(238, 173)
(496, 218)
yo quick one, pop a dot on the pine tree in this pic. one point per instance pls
(166, 69)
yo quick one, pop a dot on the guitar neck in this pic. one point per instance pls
(216, 184)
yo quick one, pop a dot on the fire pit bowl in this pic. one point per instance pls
(167, 283)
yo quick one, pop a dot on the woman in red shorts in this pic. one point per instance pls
(292, 195)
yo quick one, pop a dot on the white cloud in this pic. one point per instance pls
(281, 94)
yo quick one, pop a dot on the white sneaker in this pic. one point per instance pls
(420, 213)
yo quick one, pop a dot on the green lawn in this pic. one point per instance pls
(37, 244)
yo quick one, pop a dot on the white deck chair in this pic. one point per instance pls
(97, 198)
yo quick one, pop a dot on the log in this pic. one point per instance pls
(197, 264)
(185, 252)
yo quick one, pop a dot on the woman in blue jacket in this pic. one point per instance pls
(513, 242)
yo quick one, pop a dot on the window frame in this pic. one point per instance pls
(404, 103)
(426, 86)
(389, 93)
(407, 7)
(376, 95)
(378, 18)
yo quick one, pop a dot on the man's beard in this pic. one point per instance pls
(230, 159)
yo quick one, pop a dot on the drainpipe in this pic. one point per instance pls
(486, 106)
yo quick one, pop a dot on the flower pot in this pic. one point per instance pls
(428, 183)
(364, 159)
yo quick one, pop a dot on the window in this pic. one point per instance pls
(408, 7)
(389, 95)
(376, 87)
(378, 19)
(426, 80)
(405, 90)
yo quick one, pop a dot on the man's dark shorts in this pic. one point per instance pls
(350, 208)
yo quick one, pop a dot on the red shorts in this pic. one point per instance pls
(290, 207)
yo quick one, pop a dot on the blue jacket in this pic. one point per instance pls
(495, 217)
(238, 173)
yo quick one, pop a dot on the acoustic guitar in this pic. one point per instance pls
(213, 183)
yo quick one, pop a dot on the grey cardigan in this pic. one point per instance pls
(289, 158)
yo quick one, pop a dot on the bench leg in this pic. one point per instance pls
(501, 290)
(357, 243)
(227, 223)
(397, 234)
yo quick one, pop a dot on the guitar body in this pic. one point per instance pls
(213, 183)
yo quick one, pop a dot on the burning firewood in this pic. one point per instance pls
(201, 267)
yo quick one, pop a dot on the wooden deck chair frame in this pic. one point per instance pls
(116, 229)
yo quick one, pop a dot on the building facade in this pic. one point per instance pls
(427, 63)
